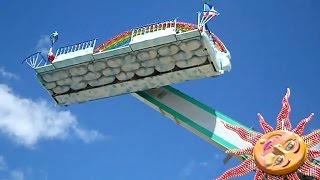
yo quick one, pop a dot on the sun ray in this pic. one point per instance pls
(310, 169)
(248, 150)
(264, 125)
(312, 139)
(313, 153)
(279, 153)
(259, 175)
(302, 124)
(245, 134)
(272, 177)
(293, 176)
(284, 114)
(244, 168)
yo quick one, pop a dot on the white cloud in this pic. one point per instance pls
(220, 156)
(9, 174)
(203, 164)
(191, 167)
(16, 175)
(3, 165)
(88, 136)
(27, 121)
(43, 44)
(188, 169)
(7, 74)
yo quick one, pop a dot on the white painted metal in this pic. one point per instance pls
(200, 118)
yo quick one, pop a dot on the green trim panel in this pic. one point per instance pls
(205, 107)
(195, 116)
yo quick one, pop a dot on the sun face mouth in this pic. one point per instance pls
(288, 162)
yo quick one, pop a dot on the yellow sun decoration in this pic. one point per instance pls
(279, 153)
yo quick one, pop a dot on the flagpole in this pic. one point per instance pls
(208, 13)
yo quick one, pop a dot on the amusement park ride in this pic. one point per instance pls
(146, 60)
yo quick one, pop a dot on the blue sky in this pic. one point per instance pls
(274, 45)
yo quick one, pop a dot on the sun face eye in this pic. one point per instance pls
(290, 146)
(279, 159)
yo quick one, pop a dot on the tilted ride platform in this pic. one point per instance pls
(147, 57)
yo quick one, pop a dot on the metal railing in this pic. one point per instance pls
(76, 47)
(153, 28)
(35, 60)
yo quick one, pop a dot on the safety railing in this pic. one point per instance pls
(35, 60)
(76, 47)
(154, 27)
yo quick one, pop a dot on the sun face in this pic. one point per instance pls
(278, 153)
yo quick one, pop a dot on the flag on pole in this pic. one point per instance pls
(209, 11)
(54, 37)
(51, 55)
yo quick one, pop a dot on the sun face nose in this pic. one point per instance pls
(278, 150)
